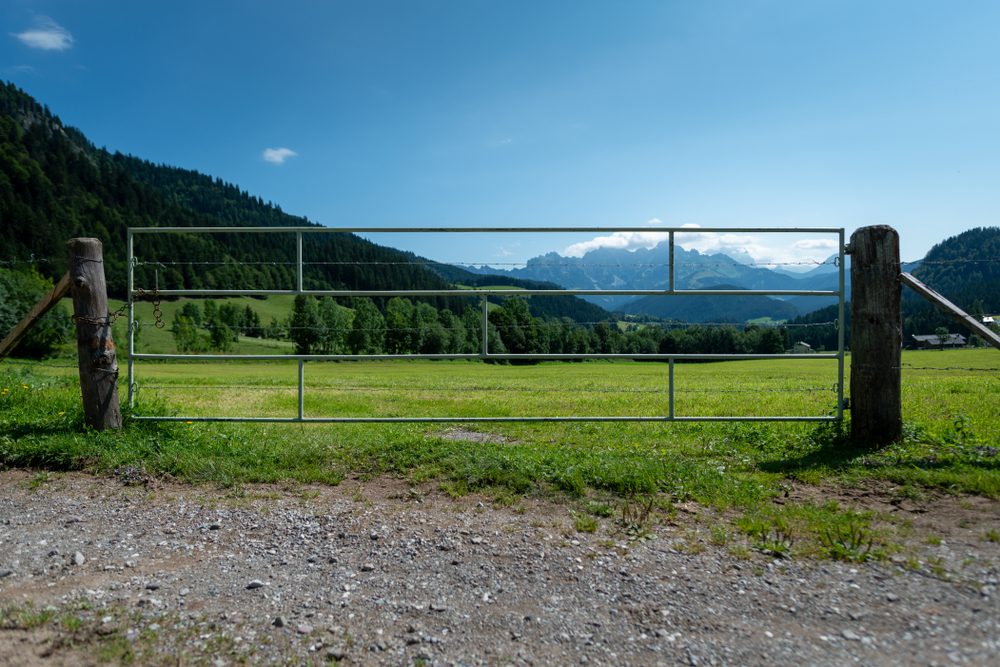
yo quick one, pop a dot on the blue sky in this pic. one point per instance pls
(819, 113)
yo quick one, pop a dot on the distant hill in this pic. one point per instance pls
(56, 185)
(720, 309)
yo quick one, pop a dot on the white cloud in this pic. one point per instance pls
(817, 244)
(619, 241)
(758, 249)
(277, 155)
(46, 35)
(762, 250)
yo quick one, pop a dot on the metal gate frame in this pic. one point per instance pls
(483, 293)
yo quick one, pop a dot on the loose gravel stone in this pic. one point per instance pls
(78, 558)
(391, 581)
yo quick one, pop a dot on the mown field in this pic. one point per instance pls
(951, 411)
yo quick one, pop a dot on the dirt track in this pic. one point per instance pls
(382, 573)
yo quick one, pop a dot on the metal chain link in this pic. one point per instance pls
(113, 316)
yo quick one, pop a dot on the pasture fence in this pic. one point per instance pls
(483, 294)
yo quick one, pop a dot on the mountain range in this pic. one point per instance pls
(647, 268)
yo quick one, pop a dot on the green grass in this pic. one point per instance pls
(951, 419)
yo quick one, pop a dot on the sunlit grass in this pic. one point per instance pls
(951, 418)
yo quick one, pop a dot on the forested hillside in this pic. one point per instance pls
(54, 185)
(966, 269)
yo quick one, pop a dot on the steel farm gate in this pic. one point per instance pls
(669, 415)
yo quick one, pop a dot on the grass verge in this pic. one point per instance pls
(740, 469)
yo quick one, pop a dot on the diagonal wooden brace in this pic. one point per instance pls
(951, 309)
(36, 313)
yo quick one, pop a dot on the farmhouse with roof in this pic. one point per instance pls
(933, 341)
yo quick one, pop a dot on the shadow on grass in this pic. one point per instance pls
(834, 451)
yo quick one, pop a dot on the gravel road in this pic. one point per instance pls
(379, 572)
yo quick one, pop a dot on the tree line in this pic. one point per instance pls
(399, 325)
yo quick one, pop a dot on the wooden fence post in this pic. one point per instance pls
(95, 347)
(876, 336)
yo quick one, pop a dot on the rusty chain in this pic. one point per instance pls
(113, 316)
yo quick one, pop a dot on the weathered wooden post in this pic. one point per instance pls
(95, 347)
(876, 336)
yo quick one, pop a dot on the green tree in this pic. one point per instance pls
(185, 333)
(231, 315)
(250, 323)
(431, 335)
(400, 334)
(517, 328)
(19, 292)
(222, 337)
(336, 324)
(211, 315)
(368, 328)
(192, 311)
(304, 326)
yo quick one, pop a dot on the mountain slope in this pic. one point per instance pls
(56, 185)
(728, 309)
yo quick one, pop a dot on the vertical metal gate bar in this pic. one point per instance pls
(670, 390)
(841, 325)
(131, 319)
(671, 245)
(298, 261)
(486, 326)
(302, 387)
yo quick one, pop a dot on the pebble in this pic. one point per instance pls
(278, 622)
(367, 567)
(5, 573)
(79, 559)
(152, 586)
(304, 629)
(255, 583)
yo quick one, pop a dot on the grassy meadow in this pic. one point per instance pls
(951, 411)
